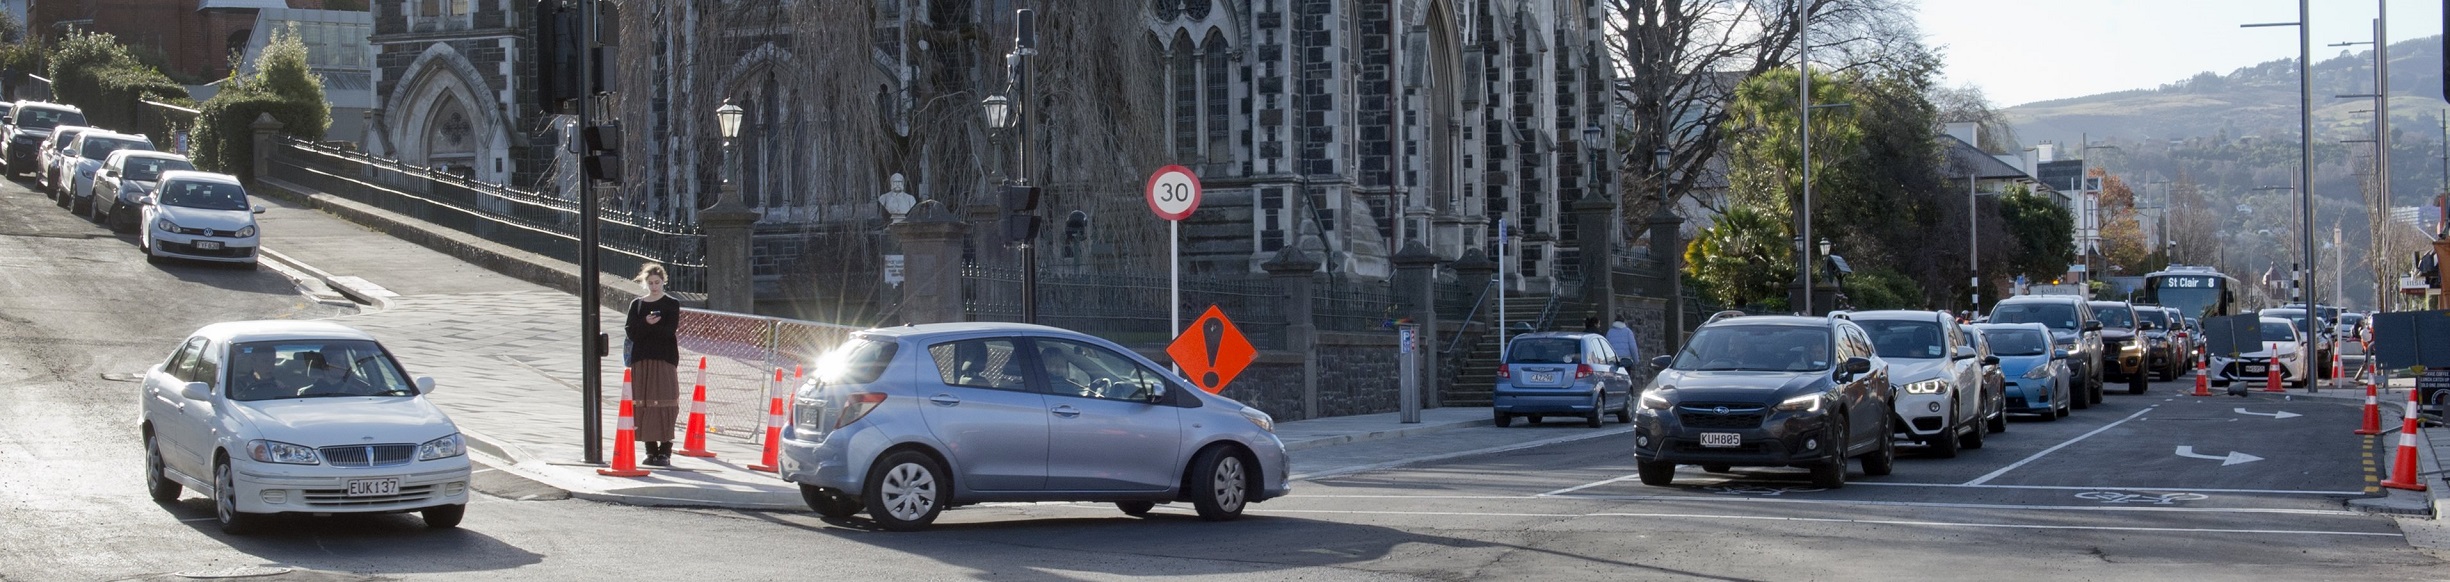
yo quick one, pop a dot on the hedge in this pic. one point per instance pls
(225, 137)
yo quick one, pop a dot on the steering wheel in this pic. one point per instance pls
(1097, 388)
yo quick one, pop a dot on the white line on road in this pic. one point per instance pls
(1985, 506)
(1838, 520)
(1590, 485)
(2111, 488)
(1339, 472)
(2053, 449)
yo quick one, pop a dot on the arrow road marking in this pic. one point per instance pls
(2273, 415)
(2233, 458)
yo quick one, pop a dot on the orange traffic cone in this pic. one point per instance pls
(2373, 413)
(694, 444)
(2403, 466)
(625, 437)
(2271, 383)
(2336, 370)
(2203, 382)
(772, 463)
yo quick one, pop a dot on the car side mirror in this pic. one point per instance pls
(1990, 360)
(1660, 362)
(425, 384)
(259, 209)
(1964, 352)
(1858, 366)
(1626, 362)
(1156, 392)
(195, 391)
(2092, 326)
(2058, 354)
(145, 200)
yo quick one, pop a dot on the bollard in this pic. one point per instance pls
(1408, 377)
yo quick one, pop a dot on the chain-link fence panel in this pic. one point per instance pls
(743, 355)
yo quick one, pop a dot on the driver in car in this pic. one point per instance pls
(329, 379)
(254, 380)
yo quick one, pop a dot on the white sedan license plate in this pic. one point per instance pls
(208, 245)
(1544, 377)
(2257, 369)
(1722, 439)
(374, 487)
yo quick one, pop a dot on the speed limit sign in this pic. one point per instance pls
(1173, 193)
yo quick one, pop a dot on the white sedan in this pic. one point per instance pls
(199, 216)
(2278, 342)
(298, 417)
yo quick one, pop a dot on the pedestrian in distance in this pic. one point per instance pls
(653, 327)
(1621, 339)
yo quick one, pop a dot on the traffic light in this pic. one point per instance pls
(1020, 204)
(601, 155)
(557, 57)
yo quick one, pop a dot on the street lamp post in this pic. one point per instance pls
(2305, 148)
(727, 121)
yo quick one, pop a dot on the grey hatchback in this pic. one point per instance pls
(905, 422)
(1562, 374)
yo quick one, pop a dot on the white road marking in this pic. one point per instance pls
(1339, 472)
(2274, 415)
(1984, 506)
(1591, 484)
(2053, 449)
(2233, 458)
(2113, 488)
(1838, 520)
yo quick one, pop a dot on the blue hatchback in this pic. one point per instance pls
(2036, 371)
(1562, 374)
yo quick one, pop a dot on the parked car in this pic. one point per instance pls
(1940, 401)
(84, 158)
(2319, 328)
(2122, 345)
(2279, 348)
(2195, 337)
(2072, 328)
(298, 417)
(2038, 378)
(1994, 382)
(46, 160)
(2159, 328)
(1562, 374)
(29, 123)
(126, 178)
(1768, 391)
(907, 421)
(199, 216)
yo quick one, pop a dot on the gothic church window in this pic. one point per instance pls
(1215, 54)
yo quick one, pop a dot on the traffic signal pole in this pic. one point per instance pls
(591, 374)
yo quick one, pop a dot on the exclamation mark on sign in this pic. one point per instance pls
(1213, 330)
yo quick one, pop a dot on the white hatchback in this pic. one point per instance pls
(298, 417)
(200, 216)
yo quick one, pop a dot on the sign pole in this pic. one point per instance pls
(1173, 193)
(1408, 377)
(1501, 290)
(1173, 241)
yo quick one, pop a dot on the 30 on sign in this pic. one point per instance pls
(1173, 193)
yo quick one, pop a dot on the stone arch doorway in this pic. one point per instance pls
(441, 115)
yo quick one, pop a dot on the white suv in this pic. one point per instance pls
(301, 417)
(1939, 377)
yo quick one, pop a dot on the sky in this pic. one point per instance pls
(2022, 51)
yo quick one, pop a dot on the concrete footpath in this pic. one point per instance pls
(505, 352)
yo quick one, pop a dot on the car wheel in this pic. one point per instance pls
(1656, 473)
(1593, 420)
(225, 503)
(62, 199)
(1135, 508)
(1717, 468)
(1974, 436)
(2095, 393)
(1624, 412)
(1831, 473)
(828, 503)
(1946, 444)
(905, 491)
(1220, 484)
(443, 516)
(157, 482)
(1999, 421)
(2137, 384)
(1502, 420)
(1884, 460)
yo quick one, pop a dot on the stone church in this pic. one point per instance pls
(1344, 127)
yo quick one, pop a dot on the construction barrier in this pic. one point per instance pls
(2203, 382)
(625, 437)
(2373, 412)
(2403, 466)
(2271, 382)
(772, 461)
(694, 443)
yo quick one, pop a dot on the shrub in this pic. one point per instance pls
(94, 72)
(281, 86)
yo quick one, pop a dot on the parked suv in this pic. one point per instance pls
(1768, 391)
(1941, 401)
(84, 158)
(907, 421)
(29, 123)
(2160, 327)
(2072, 328)
(1562, 374)
(2122, 345)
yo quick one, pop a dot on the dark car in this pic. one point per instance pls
(2122, 345)
(2160, 328)
(29, 124)
(1768, 391)
(2072, 328)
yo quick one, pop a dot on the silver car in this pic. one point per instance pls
(907, 421)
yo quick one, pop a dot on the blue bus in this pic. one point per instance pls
(2196, 291)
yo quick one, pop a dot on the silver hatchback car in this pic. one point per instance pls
(907, 421)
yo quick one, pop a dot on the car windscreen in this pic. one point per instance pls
(204, 195)
(1906, 339)
(273, 370)
(147, 169)
(100, 148)
(1545, 350)
(44, 118)
(2114, 316)
(2018, 342)
(1773, 348)
(2278, 332)
(2055, 315)
(2158, 318)
(2351, 318)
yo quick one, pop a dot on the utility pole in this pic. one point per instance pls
(1803, 104)
(591, 374)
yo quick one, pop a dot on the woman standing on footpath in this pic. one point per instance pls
(653, 329)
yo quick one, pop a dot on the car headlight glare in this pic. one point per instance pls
(1265, 422)
(165, 225)
(442, 448)
(1926, 387)
(246, 231)
(1655, 399)
(1804, 403)
(284, 453)
(2038, 372)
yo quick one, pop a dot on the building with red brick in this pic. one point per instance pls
(193, 38)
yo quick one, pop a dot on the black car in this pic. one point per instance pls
(2164, 354)
(1768, 391)
(28, 124)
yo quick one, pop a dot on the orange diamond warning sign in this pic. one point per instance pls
(1212, 351)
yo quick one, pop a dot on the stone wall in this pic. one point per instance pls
(1357, 374)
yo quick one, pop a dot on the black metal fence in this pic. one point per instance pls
(533, 222)
(1128, 309)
